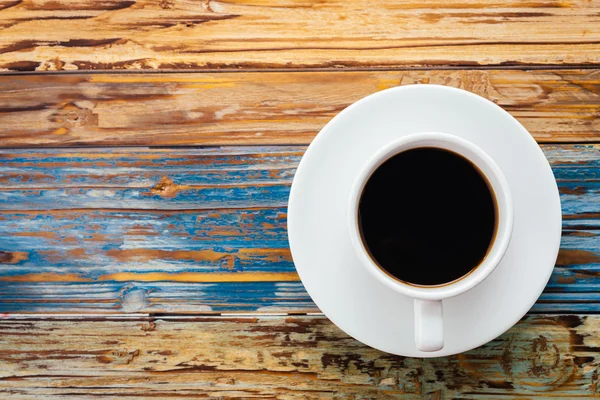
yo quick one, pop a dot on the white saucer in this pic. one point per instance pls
(320, 242)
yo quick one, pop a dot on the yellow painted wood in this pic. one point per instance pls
(266, 107)
(182, 34)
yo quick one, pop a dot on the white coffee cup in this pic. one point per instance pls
(428, 300)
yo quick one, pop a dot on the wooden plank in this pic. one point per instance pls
(204, 230)
(128, 34)
(293, 358)
(266, 108)
(162, 297)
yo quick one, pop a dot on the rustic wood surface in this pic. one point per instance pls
(181, 34)
(265, 107)
(285, 358)
(112, 258)
(204, 230)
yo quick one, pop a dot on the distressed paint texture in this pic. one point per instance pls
(204, 230)
(92, 241)
(286, 358)
(267, 107)
(47, 35)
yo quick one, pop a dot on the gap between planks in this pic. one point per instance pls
(201, 316)
(156, 316)
(302, 147)
(516, 67)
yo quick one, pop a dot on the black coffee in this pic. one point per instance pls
(427, 216)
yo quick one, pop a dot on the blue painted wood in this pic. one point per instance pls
(154, 297)
(93, 243)
(143, 179)
(146, 230)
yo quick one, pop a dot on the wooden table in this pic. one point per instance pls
(147, 153)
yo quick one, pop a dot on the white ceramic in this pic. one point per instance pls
(428, 299)
(382, 312)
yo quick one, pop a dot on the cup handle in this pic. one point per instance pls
(429, 328)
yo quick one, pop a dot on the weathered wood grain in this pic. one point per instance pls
(204, 230)
(265, 108)
(176, 34)
(286, 358)
(169, 297)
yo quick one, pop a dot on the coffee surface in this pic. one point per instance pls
(427, 216)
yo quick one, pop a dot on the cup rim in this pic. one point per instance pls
(504, 207)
